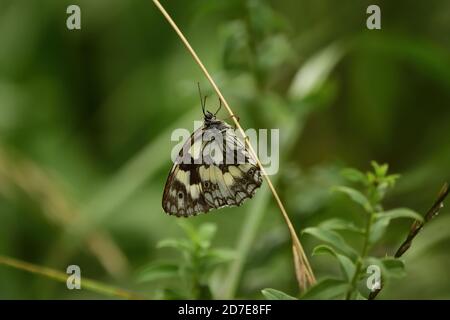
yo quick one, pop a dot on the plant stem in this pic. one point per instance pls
(416, 227)
(364, 251)
(88, 284)
(303, 268)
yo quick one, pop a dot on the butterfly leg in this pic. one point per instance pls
(237, 119)
(234, 117)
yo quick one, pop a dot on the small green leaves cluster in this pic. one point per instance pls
(376, 184)
(371, 189)
(191, 274)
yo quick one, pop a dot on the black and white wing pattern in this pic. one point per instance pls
(212, 170)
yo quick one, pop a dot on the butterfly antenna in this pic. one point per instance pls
(220, 106)
(202, 100)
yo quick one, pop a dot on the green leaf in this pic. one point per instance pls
(356, 196)
(327, 288)
(340, 224)
(394, 267)
(315, 71)
(371, 178)
(272, 294)
(205, 234)
(390, 267)
(380, 170)
(382, 220)
(332, 238)
(218, 256)
(378, 230)
(347, 266)
(189, 230)
(399, 213)
(354, 175)
(274, 52)
(391, 179)
(180, 244)
(158, 271)
(201, 236)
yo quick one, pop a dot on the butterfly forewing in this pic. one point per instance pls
(212, 170)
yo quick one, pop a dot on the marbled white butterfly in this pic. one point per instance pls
(213, 170)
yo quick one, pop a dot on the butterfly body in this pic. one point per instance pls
(212, 170)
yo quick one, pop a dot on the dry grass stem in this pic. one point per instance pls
(303, 269)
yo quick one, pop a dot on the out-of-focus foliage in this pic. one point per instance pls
(195, 269)
(86, 118)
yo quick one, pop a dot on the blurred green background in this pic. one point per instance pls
(86, 117)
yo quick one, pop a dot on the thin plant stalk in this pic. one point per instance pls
(416, 227)
(360, 261)
(302, 266)
(88, 284)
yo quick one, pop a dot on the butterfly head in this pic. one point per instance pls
(209, 117)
